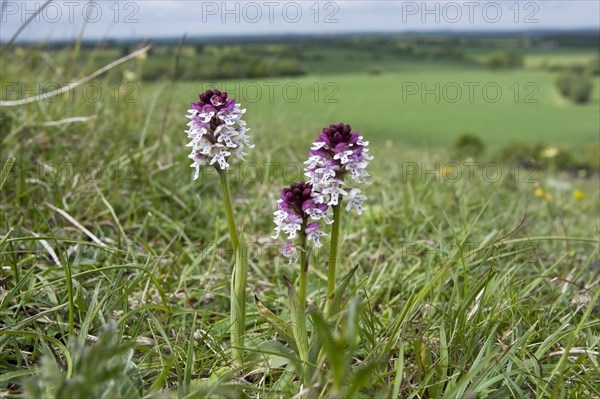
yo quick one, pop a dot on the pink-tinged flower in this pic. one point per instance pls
(336, 153)
(297, 215)
(289, 250)
(216, 130)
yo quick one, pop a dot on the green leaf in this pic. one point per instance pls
(276, 355)
(334, 349)
(361, 377)
(187, 376)
(281, 326)
(338, 294)
(299, 327)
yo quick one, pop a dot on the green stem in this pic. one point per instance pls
(229, 210)
(299, 309)
(238, 281)
(303, 270)
(333, 250)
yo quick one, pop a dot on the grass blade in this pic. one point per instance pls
(6, 170)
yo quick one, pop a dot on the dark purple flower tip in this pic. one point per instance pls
(206, 96)
(214, 99)
(288, 196)
(335, 134)
(295, 197)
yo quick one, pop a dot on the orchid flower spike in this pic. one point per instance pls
(336, 153)
(216, 130)
(298, 215)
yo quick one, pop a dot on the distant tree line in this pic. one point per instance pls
(211, 62)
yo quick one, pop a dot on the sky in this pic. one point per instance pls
(145, 19)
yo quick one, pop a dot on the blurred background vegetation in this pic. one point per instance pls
(514, 94)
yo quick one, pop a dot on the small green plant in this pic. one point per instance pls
(102, 370)
(468, 145)
(576, 85)
(375, 70)
(504, 59)
(521, 153)
(593, 66)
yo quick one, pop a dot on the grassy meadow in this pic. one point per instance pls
(475, 278)
(404, 111)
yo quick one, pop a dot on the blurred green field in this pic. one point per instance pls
(425, 106)
(417, 91)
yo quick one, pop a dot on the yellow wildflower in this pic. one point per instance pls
(447, 170)
(129, 75)
(550, 152)
(578, 194)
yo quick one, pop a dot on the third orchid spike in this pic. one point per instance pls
(216, 130)
(336, 153)
(298, 213)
